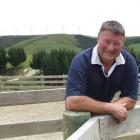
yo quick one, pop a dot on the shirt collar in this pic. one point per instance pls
(96, 60)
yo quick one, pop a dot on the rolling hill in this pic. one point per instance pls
(136, 47)
(32, 43)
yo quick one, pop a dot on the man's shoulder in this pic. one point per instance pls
(129, 59)
(86, 52)
(83, 58)
(126, 55)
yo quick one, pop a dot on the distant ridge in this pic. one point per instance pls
(31, 43)
(54, 41)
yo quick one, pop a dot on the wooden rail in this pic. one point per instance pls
(19, 121)
(32, 82)
(106, 127)
(32, 96)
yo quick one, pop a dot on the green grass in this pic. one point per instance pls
(48, 42)
(136, 47)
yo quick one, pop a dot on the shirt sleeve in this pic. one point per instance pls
(130, 83)
(77, 77)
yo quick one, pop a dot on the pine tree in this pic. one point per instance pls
(3, 60)
(36, 62)
(16, 56)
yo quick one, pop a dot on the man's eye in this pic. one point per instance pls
(117, 44)
(107, 42)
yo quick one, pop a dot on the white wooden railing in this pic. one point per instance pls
(106, 127)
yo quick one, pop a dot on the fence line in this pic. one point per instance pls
(32, 96)
(32, 82)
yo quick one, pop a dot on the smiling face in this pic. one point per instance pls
(109, 46)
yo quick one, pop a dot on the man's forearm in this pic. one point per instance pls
(84, 103)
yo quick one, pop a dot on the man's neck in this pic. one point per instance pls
(107, 65)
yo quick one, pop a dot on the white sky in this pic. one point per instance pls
(85, 17)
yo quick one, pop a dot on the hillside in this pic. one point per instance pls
(131, 40)
(55, 41)
(48, 42)
(7, 41)
(136, 47)
(32, 44)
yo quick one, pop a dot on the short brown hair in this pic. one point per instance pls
(113, 26)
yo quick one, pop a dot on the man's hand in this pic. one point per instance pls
(84, 103)
(119, 111)
(129, 103)
(121, 106)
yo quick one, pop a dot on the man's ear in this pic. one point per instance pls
(97, 38)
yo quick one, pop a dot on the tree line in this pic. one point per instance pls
(135, 54)
(55, 62)
(15, 56)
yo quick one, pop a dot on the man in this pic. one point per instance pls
(96, 74)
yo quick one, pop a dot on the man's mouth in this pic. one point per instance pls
(109, 53)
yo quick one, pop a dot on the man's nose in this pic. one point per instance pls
(111, 46)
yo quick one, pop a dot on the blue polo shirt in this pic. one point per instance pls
(85, 78)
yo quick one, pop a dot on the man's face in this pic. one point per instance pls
(109, 46)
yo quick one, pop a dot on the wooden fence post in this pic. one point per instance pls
(72, 121)
(0, 82)
(42, 80)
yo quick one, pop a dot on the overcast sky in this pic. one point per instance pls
(85, 17)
